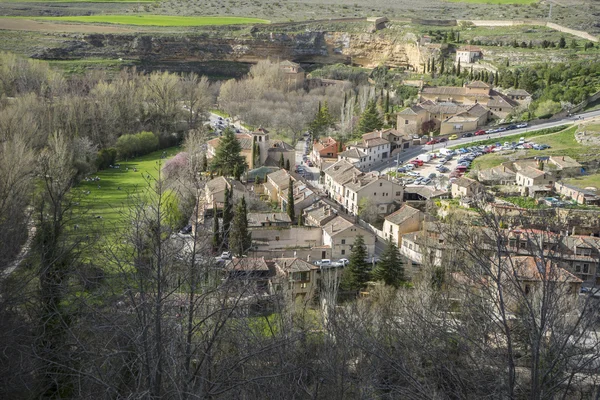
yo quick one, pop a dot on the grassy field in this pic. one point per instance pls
(78, 1)
(583, 182)
(158, 20)
(562, 144)
(109, 197)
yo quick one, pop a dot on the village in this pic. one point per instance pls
(401, 187)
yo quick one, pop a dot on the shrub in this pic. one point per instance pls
(136, 145)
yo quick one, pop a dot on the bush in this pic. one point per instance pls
(136, 145)
(106, 158)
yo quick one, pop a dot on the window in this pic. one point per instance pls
(380, 184)
(522, 245)
(527, 289)
(303, 286)
(343, 241)
(582, 251)
(343, 252)
(586, 268)
(375, 194)
(405, 122)
(577, 268)
(276, 237)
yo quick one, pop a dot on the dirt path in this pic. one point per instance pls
(17, 24)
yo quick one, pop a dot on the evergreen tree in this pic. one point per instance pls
(387, 102)
(358, 272)
(458, 68)
(227, 213)
(228, 155)
(287, 164)
(442, 66)
(216, 239)
(340, 146)
(290, 201)
(573, 44)
(281, 160)
(322, 121)
(204, 163)
(457, 37)
(562, 43)
(496, 79)
(240, 240)
(390, 269)
(370, 119)
(255, 152)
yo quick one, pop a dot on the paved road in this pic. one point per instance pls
(416, 150)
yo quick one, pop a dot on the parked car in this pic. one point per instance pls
(521, 140)
(309, 163)
(226, 255)
(511, 127)
(444, 169)
(401, 170)
(442, 140)
(523, 125)
(453, 137)
(480, 132)
(186, 229)
(425, 181)
(343, 261)
(468, 134)
(432, 142)
(412, 173)
(323, 263)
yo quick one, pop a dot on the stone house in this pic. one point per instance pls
(405, 220)
(276, 182)
(376, 150)
(498, 175)
(296, 279)
(319, 214)
(565, 165)
(325, 149)
(530, 176)
(466, 187)
(261, 220)
(581, 196)
(468, 54)
(339, 235)
(336, 176)
(380, 191)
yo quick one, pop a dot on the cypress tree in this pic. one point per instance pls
(442, 66)
(240, 240)
(290, 201)
(216, 239)
(204, 163)
(387, 102)
(287, 164)
(496, 79)
(227, 213)
(458, 68)
(390, 269)
(281, 161)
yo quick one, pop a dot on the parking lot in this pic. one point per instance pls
(426, 169)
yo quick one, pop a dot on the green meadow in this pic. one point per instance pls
(157, 20)
(103, 204)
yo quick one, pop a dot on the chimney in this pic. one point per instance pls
(381, 134)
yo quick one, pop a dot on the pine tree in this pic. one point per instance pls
(216, 239)
(228, 155)
(390, 269)
(227, 213)
(240, 240)
(322, 121)
(370, 119)
(290, 201)
(358, 272)
(287, 164)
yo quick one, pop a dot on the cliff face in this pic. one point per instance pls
(368, 50)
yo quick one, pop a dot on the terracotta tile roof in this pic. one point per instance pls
(529, 268)
(478, 84)
(404, 213)
(294, 265)
(247, 264)
(352, 153)
(532, 173)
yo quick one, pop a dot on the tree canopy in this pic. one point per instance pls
(370, 120)
(358, 272)
(228, 159)
(390, 268)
